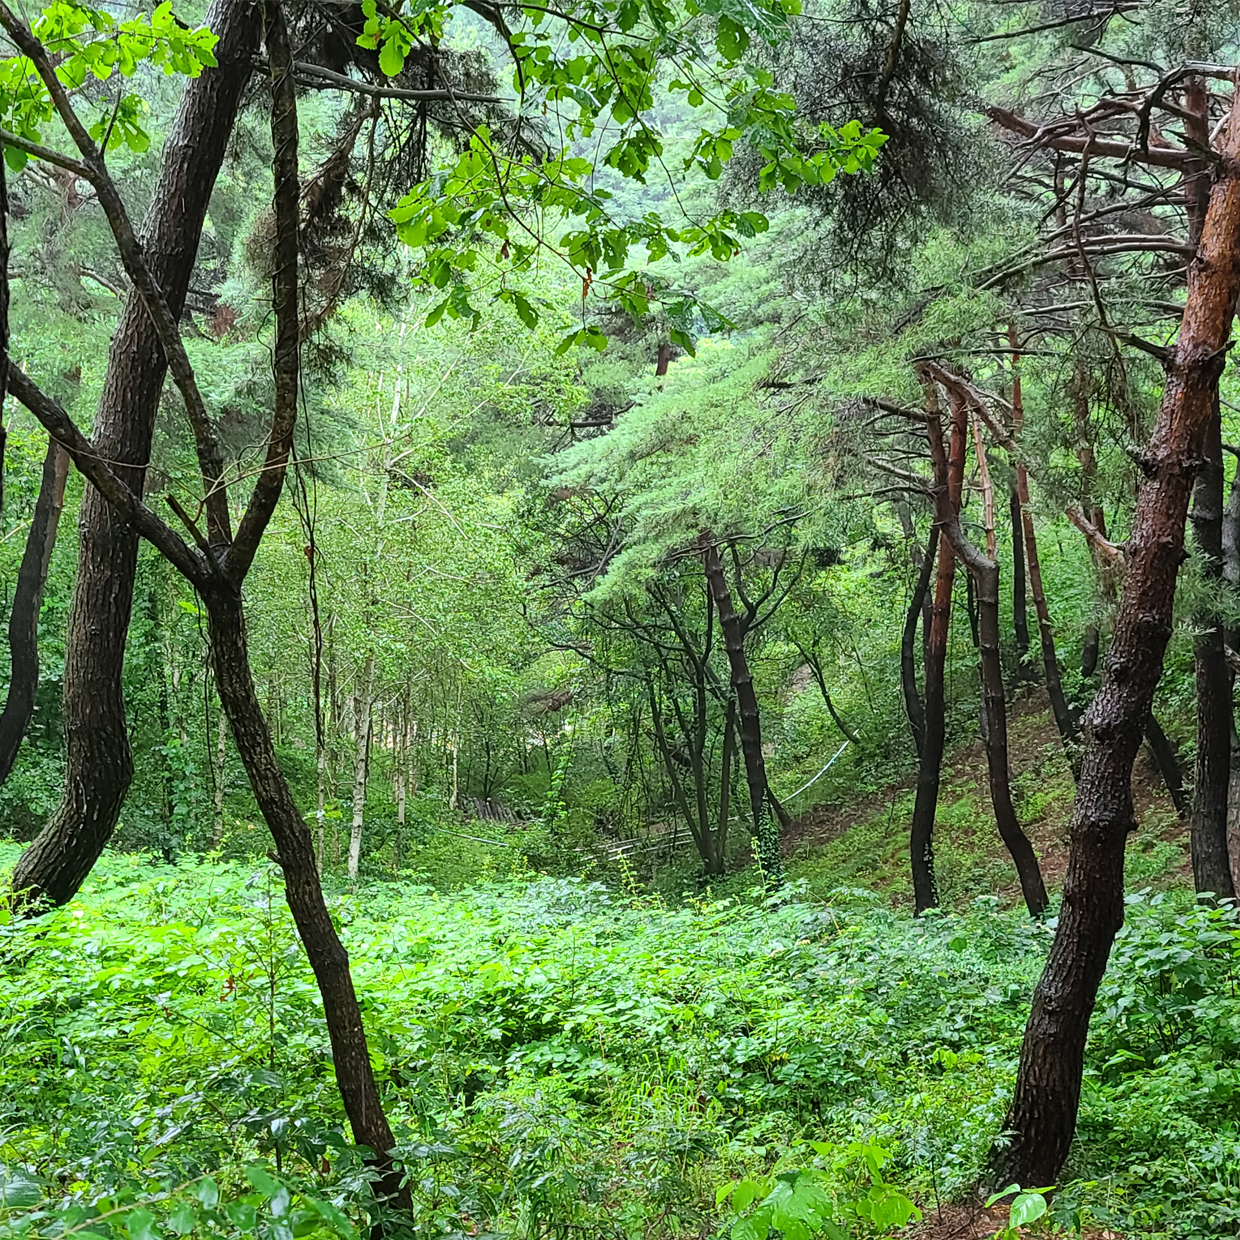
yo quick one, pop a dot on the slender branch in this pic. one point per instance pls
(303, 70)
(45, 153)
(51, 414)
(284, 281)
(94, 170)
(1073, 142)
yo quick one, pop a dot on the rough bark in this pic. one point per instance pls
(929, 770)
(4, 322)
(914, 708)
(27, 603)
(295, 855)
(98, 762)
(765, 832)
(985, 571)
(1208, 820)
(1042, 1119)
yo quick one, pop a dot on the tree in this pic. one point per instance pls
(1042, 1118)
(219, 565)
(99, 765)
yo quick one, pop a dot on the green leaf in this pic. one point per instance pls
(1027, 1208)
(17, 1187)
(392, 58)
(140, 1224)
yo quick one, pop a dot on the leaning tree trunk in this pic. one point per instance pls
(98, 762)
(27, 602)
(295, 855)
(1042, 1119)
(1208, 823)
(913, 705)
(1168, 764)
(985, 571)
(929, 770)
(766, 833)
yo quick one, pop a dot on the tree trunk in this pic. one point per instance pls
(985, 571)
(1020, 600)
(1231, 641)
(725, 787)
(1208, 822)
(98, 762)
(930, 768)
(1064, 720)
(1168, 764)
(295, 856)
(1042, 1118)
(361, 759)
(27, 603)
(221, 754)
(766, 833)
(698, 831)
(913, 705)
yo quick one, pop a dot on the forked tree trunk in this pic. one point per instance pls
(362, 719)
(913, 705)
(219, 570)
(98, 762)
(295, 855)
(765, 831)
(1208, 822)
(929, 770)
(985, 571)
(27, 603)
(699, 831)
(1042, 1119)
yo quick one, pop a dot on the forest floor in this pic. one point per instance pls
(864, 843)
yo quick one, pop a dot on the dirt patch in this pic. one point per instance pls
(973, 1222)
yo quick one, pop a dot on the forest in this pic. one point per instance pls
(622, 619)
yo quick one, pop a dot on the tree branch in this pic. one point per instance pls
(51, 414)
(94, 170)
(286, 361)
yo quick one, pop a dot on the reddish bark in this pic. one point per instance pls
(1042, 1119)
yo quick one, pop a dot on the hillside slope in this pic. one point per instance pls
(866, 843)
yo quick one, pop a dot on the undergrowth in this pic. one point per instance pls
(565, 1059)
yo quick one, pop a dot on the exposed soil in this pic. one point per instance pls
(1040, 773)
(972, 1222)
